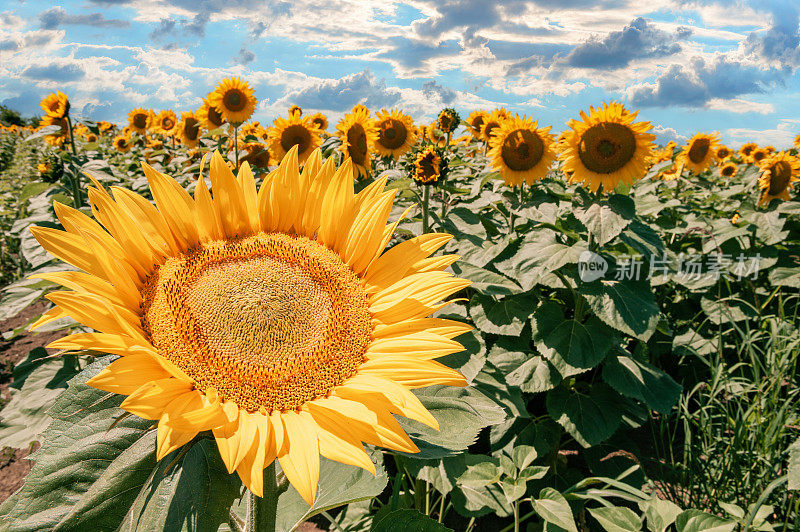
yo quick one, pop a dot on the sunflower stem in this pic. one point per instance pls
(426, 196)
(263, 511)
(71, 137)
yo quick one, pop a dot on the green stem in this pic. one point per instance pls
(426, 196)
(71, 137)
(516, 516)
(444, 204)
(262, 511)
(441, 508)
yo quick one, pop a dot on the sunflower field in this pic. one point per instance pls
(474, 324)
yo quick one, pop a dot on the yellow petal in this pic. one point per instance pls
(97, 313)
(105, 343)
(169, 439)
(149, 219)
(384, 392)
(366, 232)
(423, 345)
(175, 205)
(341, 446)
(85, 282)
(248, 427)
(251, 468)
(412, 372)
(228, 198)
(150, 400)
(208, 223)
(393, 265)
(301, 463)
(442, 327)
(127, 374)
(248, 184)
(51, 315)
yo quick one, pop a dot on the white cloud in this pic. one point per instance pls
(741, 106)
(781, 137)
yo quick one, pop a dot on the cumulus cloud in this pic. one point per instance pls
(56, 16)
(244, 56)
(343, 93)
(781, 136)
(55, 72)
(666, 134)
(435, 91)
(638, 40)
(780, 43)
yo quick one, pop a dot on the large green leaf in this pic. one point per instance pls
(540, 253)
(478, 491)
(486, 281)
(697, 521)
(659, 513)
(568, 343)
(590, 417)
(601, 221)
(642, 381)
(408, 521)
(506, 316)
(627, 306)
(617, 519)
(553, 508)
(461, 413)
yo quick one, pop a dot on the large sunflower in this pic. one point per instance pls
(700, 152)
(233, 99)
(475, 123)
(297, 130)
(780, 172)
(521, 151)
(189, 129)
(607, 147)
(55, 105)
(396, 133)
(209, 117)
(140, 120)
(165, 123)
(358, 134)
(273, 319)
(427, 166)
(61, 135)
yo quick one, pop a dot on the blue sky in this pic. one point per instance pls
(704, 65)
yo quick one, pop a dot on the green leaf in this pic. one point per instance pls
(540, 253)
(697, 521)
(339, 484)
(617, 519)
(627, 306)
(534, 375)
(408, 521)
(513, 489)
(590, 418)
(461, 413)
(485, 281)
(601, 222)
(554, 508)
(506, 316)
(579, 345)
(642, 381)
(659, 513)
(471, 360)
(475, 496)
(794, 466)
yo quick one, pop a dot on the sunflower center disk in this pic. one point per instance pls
(234, 100)
(357, 141)
(780, 174)
(296, 135)
(607, 147)
(140, 121)
(522, 150)
(271, 321)
(392, 134)
(699, 150)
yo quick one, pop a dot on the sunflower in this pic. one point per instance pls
(700, 152)
(674, 172)
(90, 137)
(140, 120)
(448, 120)
(747, 150)
(395, 133)
(189, 129)
(55, 105)
(104, 126)
(209, 117)
(43, 168)
(233, 99)
(422, 132)
(427, 166)
(297, 131)
(780, 172)
(165, 123)
(475, 123)
(122, 143)
(723, 153)
(607, 147)
(492, 122)
(295, 109)
(358, 134)
(759, 155)
(320, 121)
(436, 136)
(284, 330)
(521, 151)
(257, 155)
(797, 141)
(58, 137)
(728, 169)
(735, 218)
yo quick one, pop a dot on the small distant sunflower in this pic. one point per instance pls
(258, 319)
(747, 150)
(427, 166)
(521, 151)
(122, 143)
(436, 136)
(502, 112)
(723, 153)
(297, 131)
(209, 117)
(60, 136)
(395, 133)
(233, 99)
(165, 123)
(475, 123)
(43, 168)
(780, 172)
(672, 173)
(320, 121)
(295, 109)
(607, 147)
(735, 218)
(358, 134)
(448, 120)
(189, 129)
(90, 137)
(104, 126)
(55, 105)
(759, 155)
(728, 169)
(140, 120)
(492, 122)
(700, 152)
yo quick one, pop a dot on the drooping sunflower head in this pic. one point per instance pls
(234, 100)
(285, 331)
(746, 150)
(209, 117)
(700, 152)
(428, 167)
(759, 155)
(448, 120)
(122, 143)
(59, 136)
(521, 151)
(728, 169)
(257, 155)
(723, 153)
(165, 123)
(358, 134)
(607, 147)
(140, 120)
(189, 129)
(320, 121)
(475, 123)
(492, 122)
(297, 131)
(780, 172)
(55, 105)
(436, 136)
(396, 133)
(295, 109)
